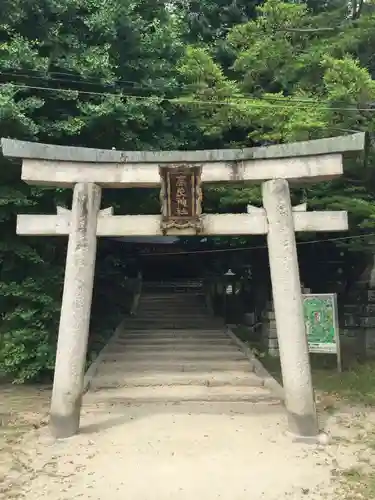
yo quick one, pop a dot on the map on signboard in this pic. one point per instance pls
(320, 320)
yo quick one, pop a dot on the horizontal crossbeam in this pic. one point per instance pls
(213, 224)
(126, 175)
(35, 150)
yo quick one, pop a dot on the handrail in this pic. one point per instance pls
(208, 295)
(137, 294)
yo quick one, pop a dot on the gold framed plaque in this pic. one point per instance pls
(181, 197)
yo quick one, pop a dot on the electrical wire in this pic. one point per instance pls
(181, 100)
(145, 86)
(83, 81)
(238, 249)
(100, 81)
(288, 101)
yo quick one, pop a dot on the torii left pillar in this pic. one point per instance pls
(75, 311)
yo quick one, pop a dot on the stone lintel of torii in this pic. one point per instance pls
(88, 171)
(309, 161)
(149, 225)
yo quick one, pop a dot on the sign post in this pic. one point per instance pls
(321, 320)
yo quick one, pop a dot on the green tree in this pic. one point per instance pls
(288, 83)
(208, 21)
(178, 75)
(82, 73)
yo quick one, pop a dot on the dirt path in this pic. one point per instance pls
(183, 452)
(22, 409)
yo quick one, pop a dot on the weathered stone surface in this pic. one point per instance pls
(351, 320)
(369, 309)
(272, 333)
(123, 175)
(75, 312)
(178, 365)
(269, 315)
(273, 343)
(367, 321)
(146, 225)
(23, 149)
(287, 298)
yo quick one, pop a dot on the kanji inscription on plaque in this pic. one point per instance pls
(181, 197)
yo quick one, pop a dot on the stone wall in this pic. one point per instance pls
(269, 340)
(357, 322)
(269, 333)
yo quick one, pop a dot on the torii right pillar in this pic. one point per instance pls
(287, 297)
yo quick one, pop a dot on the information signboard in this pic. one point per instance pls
(321, 320)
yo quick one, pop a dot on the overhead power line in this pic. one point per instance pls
(182, 100)
(242, 249)
(144, 86)
(132, 85)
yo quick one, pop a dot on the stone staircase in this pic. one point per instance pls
(175, 351)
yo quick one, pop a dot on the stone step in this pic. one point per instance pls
(169, 335)
(174, 317)
(207, 379)
(168, 328)
(191, 318)
(168, 325)
(165, 335)
(174, 333)
(126, 353)
(173, 314)
(189, 298)
(170, 292)
(111, 364)
(181, 299)
(178, 331)
(170, 305)
(168, 302)
(174, 309)
(143, 336)
(181, 394)
(122, 353)
(206, 330)
(192, 351)
(156, 320)
(149, 318)
(169, 308)
(163, 342)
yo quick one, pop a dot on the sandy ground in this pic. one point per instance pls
(182, 452)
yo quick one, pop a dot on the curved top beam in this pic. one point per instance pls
(34, 150)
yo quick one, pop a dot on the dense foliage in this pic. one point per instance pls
(148, 74)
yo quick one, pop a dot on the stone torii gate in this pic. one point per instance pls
(180, 175)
